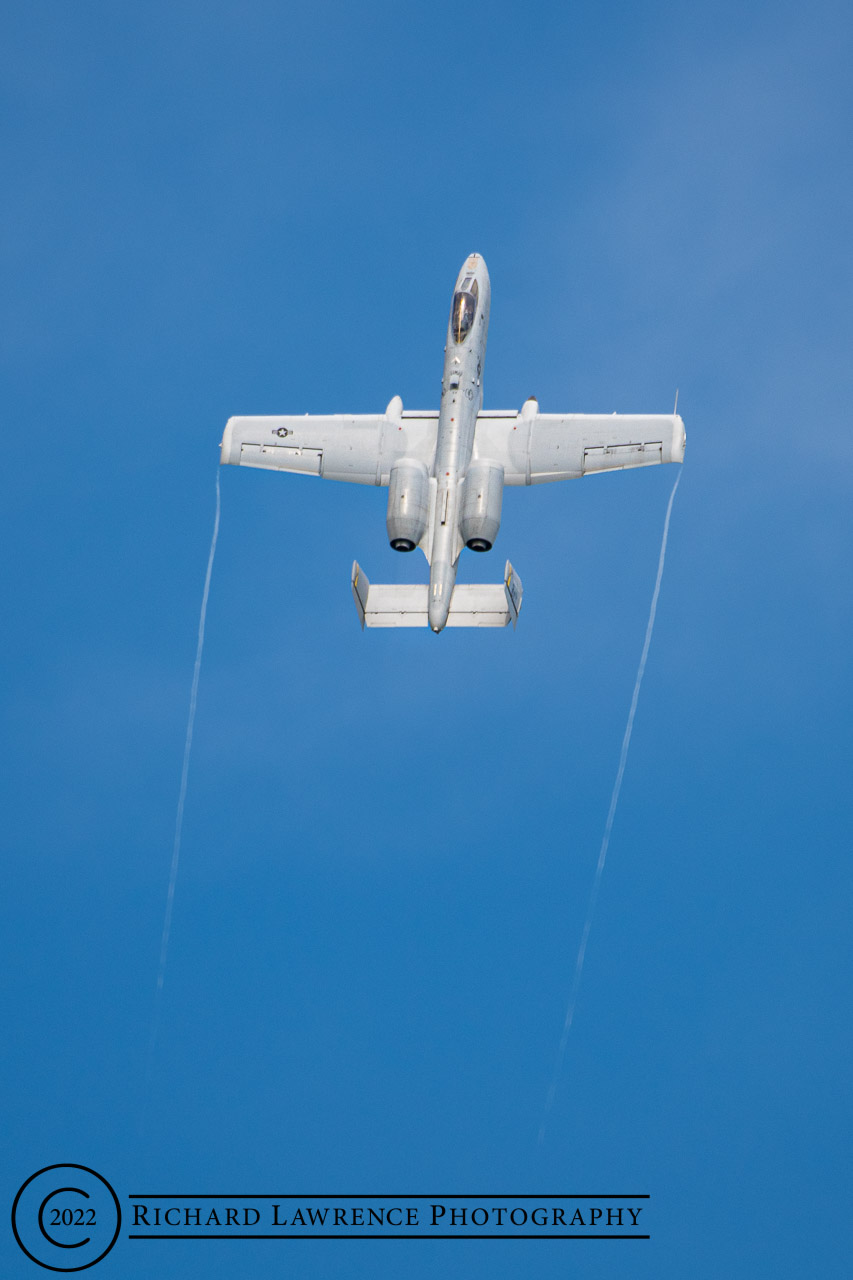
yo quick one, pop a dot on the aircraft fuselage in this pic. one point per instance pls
(461, 401)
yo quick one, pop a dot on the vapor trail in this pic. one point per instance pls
(182, 795)
(608, 826)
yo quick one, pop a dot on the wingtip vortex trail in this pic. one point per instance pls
(608, 826)
(182, 794)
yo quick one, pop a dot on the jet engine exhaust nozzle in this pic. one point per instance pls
(482, 499)
(408, 505)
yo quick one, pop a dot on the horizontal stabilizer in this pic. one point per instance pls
(406, 605)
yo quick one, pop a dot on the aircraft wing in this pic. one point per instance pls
(531, 447)
(361, 448)
(536, 447)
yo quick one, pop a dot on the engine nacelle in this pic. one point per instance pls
(482, 498)
(408, 505)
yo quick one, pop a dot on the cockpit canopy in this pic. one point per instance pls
(464, 309)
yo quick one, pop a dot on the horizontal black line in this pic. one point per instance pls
(337, 1195)
(460, 1235)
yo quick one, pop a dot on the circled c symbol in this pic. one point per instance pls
(59, 1243)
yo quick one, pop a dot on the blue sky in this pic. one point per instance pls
(389, 838)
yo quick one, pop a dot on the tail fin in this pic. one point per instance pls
(407, 605)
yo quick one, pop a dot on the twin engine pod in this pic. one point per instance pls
(408, 505)
(482, 497)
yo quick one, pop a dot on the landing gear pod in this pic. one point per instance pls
(408, 505)
(482, 499)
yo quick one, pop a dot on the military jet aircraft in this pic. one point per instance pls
(446, 470)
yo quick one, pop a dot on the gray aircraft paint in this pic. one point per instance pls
(449, 447)
(461, 402)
